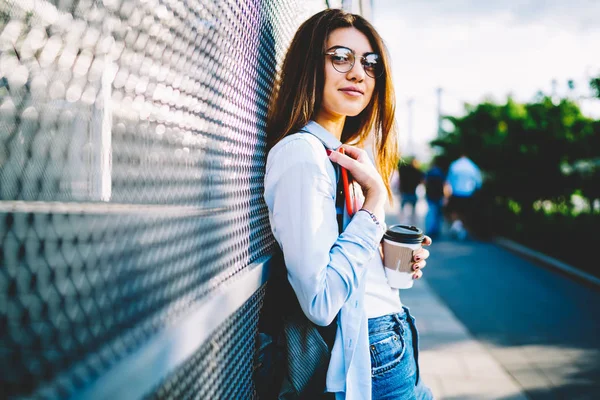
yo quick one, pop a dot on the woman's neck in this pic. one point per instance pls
(333, 124)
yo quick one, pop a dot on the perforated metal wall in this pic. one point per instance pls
(131, 163)
(222, 367)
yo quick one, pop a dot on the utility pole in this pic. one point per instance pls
(439, 111)
(348, 6)
(554, 95)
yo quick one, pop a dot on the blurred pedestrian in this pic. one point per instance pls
(410, 178)
(464, 179)
(435, 179)
(335, 90)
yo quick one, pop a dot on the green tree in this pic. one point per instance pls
(523, 148)
(595, 85)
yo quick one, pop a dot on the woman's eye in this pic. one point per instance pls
(340, 58)
(370, 66)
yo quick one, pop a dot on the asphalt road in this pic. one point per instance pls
(542, 327)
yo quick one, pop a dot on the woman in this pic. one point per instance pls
(335, 87)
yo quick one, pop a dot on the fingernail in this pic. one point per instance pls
(328, 151)
(416, 267)
(417, 259)
(415, 276)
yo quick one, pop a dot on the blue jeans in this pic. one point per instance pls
(433, 219)
(394, 346)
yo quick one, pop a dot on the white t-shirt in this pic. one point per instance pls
(380, 298)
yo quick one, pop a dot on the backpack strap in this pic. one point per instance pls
(328, 332)
(339, 190)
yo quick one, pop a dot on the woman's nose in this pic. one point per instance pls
(357, 72)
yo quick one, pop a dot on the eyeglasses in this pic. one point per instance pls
(343, 58)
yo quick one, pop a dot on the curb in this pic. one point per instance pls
(548, 261)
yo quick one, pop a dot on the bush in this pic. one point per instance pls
(571, 239)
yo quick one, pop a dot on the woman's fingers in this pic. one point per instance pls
(420, 254)
(343, 160)
(362, 169)
(354, 152)
(419, 265)
(419, 257)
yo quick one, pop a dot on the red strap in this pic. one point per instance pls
(350, 205)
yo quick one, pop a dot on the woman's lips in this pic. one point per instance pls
(351, 92)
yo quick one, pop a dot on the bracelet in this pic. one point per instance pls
(373, 217)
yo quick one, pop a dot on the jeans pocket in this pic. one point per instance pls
(387, 349)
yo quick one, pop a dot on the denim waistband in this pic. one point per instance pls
(388, 322)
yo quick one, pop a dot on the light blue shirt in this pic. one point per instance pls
(464, 177)
(326, 269)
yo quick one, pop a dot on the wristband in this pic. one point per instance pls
(373, 217)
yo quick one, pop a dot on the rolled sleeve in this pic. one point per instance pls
(363, 228)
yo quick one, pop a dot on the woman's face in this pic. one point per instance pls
(347, 94)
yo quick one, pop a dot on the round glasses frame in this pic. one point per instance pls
(347, 67)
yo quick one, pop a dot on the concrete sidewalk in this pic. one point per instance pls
(453, 364)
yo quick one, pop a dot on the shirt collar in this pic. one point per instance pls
(326, 137)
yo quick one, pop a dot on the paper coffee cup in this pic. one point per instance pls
(399, 243)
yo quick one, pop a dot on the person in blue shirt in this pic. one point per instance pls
(335, 92)
(464, 179)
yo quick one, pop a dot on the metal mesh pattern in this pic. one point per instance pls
(131, 163)
(222, 368)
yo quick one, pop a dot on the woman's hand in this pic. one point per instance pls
(419, 257)
(358, 163)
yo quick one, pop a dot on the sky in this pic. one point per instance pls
(475, 50)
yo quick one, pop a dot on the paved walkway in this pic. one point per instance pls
(453, 363)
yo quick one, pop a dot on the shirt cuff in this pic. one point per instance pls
(366, 228)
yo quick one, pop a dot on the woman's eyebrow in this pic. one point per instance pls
(344, 47)
(339, 47)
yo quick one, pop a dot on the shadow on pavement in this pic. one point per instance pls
(541, 326)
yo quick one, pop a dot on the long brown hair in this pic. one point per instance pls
(298, 92)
